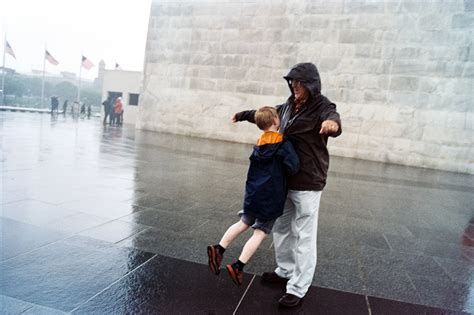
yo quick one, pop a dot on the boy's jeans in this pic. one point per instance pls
(294, 236)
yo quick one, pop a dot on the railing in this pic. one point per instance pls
(26, 109)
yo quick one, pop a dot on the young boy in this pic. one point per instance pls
(272, 160)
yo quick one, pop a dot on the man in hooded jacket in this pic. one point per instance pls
(307, 118)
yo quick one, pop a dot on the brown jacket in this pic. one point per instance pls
(302, 129)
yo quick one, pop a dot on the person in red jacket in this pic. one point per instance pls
(118, 109)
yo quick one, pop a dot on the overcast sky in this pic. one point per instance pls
(112, 30)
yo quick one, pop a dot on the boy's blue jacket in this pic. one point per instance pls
(272, 160)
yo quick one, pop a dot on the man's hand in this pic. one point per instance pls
(237, 117)
(328, 127)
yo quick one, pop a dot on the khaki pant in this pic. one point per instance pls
(294, 236)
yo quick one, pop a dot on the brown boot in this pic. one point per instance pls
(289, 300)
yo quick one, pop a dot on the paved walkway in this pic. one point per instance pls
(114, 220)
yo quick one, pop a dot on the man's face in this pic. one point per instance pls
(300, 91)
(276, 121)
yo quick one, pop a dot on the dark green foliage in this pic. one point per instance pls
(23, 90)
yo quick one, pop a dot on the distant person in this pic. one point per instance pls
(112, 111)
(89, 111)
(272, 160)
(54, 104)
(64, 107)
(83, 109)
(106, 105)
(118, 108)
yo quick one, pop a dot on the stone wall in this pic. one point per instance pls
(400, 71)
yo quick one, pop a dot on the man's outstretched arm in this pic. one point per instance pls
(331, 124)
(248, 115)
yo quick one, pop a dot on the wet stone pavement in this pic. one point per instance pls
(114, 220)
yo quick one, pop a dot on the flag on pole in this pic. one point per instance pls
(9, 50)
(86, 63)
(50, 58)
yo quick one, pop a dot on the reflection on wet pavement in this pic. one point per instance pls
(116, 220)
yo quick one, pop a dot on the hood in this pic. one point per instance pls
(265, 152)
(267, 145)
(308, 75)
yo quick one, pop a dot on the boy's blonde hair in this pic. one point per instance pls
(264, 117)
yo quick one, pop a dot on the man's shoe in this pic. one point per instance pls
(215, 259)
(272, 277)
(289, 300)
(235, 274)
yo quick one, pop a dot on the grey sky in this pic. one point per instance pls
(113, 30)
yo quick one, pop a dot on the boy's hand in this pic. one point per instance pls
(328, 127)
(234, 118)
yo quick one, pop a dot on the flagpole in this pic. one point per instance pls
(3, 67)
(44, 71)
(79, 87)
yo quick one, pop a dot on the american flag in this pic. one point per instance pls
(86, 63)
(50, 58)
(9, 50)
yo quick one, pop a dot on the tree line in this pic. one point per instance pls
(24, 90)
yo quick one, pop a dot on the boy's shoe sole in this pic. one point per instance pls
(233, 275)
(212, 253)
